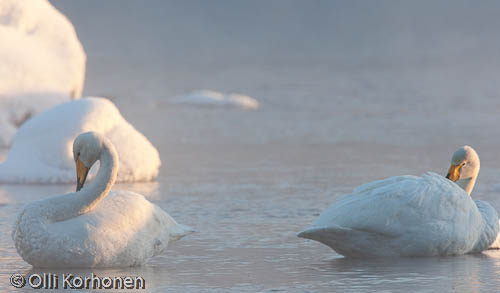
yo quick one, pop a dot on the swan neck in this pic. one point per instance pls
(72, 205)
(467, 184)
(103, 181)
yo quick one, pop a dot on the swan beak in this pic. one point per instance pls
(81, 174)
(454, 172)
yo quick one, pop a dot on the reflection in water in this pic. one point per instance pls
(4, 198)
(462, 273)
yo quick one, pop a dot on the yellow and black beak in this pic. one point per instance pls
(454, 172)
(81, 173)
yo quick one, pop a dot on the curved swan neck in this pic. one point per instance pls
(72, 205)
(104, 179)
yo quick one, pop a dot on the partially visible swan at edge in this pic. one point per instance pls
(41, 151)
(411, 216)
(94, 227)
(42, 62)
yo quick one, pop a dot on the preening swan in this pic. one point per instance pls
(93, 227)
(411, 216)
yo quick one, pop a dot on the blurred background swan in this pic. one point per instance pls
(411, 216)
(42, 62)
(94, 227)
(213, 98)
(42, 148)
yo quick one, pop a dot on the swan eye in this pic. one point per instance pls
(78, 154)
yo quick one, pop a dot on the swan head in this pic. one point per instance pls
(87, 149)
(464, 168)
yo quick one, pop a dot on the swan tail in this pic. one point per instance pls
(351, 242)
(496, 243)
(178, 231)
(325, 234)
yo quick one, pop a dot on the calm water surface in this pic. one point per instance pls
(333, 116)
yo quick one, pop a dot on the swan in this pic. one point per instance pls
(94, 227)
(411, 216)
(41, 150)
(42, 62)
(213, 98)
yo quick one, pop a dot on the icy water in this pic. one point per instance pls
(348, 93)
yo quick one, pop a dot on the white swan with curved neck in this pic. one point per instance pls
(94, 227)
(411, 216)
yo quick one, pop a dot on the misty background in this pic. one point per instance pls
(173, 39)
(366, 75)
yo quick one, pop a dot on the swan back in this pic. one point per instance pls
(406, 216)
(42, 148)
(125, 229)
